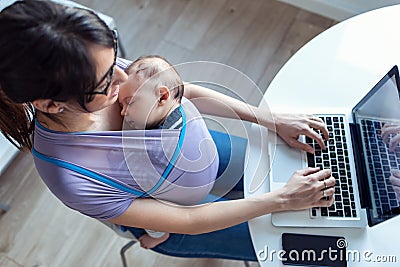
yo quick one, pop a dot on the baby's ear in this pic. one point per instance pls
(164, 94)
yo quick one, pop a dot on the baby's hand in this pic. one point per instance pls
(148, 242)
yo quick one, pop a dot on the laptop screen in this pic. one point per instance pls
(378, 113)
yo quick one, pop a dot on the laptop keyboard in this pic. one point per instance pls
(335, 157)
(380, 162)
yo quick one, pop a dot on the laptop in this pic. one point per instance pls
(359, 159)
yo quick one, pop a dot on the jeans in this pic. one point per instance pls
(230, 243)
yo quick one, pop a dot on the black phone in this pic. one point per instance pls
(313, 250)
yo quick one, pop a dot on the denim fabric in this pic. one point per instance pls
(230, 243)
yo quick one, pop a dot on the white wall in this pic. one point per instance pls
(340, 9)
(7, 153)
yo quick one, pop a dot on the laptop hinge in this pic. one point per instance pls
(362, 180)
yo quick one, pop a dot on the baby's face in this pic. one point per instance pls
(138, 102)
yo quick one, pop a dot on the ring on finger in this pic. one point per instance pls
(323, 193)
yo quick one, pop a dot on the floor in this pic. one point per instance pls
(254, 37)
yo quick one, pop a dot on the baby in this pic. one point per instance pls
(153, 104)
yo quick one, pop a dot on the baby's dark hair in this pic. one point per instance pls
(160, 71)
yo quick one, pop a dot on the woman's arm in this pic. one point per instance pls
(304, 190)
(288, 126)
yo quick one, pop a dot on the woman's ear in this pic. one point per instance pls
(48, 106)
(164, 94)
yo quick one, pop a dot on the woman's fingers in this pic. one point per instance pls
(326, 202)
(314, 123)
(308, 186)
(327, 183)
(291, 126)
(394, 141)
(308, 171)
(319, 124)
(387, 131)
(395, 178)
(317, 137)
(295, 143)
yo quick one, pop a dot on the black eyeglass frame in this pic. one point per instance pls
(110, 73)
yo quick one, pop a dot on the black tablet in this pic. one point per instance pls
(313, 250)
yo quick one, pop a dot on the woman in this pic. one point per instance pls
(58, 64)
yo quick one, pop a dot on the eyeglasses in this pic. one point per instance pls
(103, 90)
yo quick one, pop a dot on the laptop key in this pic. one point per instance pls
(310, 160)
(324, 211)
(313, 212)
(335, 158)
(337, 190)
(385, 208)
(347, 211)
(333, 214)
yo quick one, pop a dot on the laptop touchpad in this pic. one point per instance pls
(285, 162)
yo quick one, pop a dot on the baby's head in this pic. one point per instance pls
(153, 89)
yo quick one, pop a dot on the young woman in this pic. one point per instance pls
(59, 82)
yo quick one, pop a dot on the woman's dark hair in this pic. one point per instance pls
(44, 55)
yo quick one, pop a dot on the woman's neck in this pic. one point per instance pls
(107, 119)
(68, 122)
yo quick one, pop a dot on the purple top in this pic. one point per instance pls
(134, 159)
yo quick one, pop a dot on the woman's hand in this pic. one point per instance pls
(290, 126)
(394, 140)
(306, 189)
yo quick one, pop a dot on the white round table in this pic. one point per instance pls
(334, 70)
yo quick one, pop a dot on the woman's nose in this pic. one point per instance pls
(120, 75)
